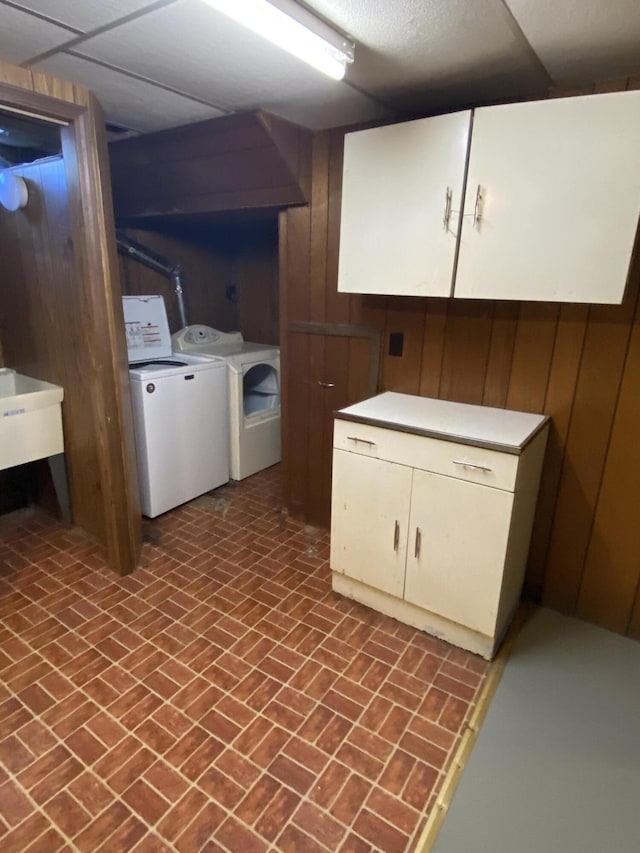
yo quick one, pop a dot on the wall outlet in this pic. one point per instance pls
(396, 343)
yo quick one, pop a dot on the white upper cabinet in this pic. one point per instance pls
(401, 186)
(551, 203)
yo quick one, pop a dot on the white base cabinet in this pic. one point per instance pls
(430, 530)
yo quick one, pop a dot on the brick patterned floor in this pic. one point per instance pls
(220, 698)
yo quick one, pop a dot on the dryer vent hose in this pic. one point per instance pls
(132, 249)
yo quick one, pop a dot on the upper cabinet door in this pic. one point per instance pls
(552, 200)
(401, 197)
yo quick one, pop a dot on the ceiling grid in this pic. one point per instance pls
(162, 63)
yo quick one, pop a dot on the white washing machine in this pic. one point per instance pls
(180, 411)
(254, 394)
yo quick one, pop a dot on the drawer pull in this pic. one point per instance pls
(361, 440)
(471, 465)
(396, 536)
(416, 551)
(327, 384)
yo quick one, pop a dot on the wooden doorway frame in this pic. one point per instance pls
(93, 234)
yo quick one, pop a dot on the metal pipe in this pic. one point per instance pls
(132, 249)
(177, 289)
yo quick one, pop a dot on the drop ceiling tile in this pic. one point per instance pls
(23, 36)
(317, 112)
(192, 48)
(126, 101)
(85, 15)
(582, 41)
(424, 49)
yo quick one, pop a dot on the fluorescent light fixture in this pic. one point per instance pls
(295, 30)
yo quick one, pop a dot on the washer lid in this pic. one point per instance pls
(179, 364)
(147, 328)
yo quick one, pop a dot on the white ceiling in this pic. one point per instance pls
(164, 63)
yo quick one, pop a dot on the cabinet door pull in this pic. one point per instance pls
(396, 536)
(416, 550)
(477, 210)
(361, 440)
(447, 208)
(326, 384)
(471, 465)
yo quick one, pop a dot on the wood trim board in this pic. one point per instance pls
(92, 362)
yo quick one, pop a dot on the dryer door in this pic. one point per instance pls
(260, 390)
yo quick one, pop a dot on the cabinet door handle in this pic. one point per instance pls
(471, 465)
(447, 208)
(477, 209)
(396, 536)
(361, 440)
(326, 384)
(416, 550)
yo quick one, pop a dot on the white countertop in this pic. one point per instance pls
(502, 429)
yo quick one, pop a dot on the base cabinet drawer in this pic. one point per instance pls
(451, 458)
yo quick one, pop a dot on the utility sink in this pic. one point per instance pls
(30, 419)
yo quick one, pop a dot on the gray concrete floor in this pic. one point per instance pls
(556, 766)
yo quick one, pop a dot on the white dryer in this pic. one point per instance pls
(180, 411)
(254, 394)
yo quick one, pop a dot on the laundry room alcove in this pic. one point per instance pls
(207, 197)
(205, 200)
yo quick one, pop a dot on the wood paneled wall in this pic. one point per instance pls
(241, 161)
(321, 373)
(254, 275)
(229, 275)
(61, 307)
(205, 271)
(42, 324)
(580, 364)
(210, 192)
